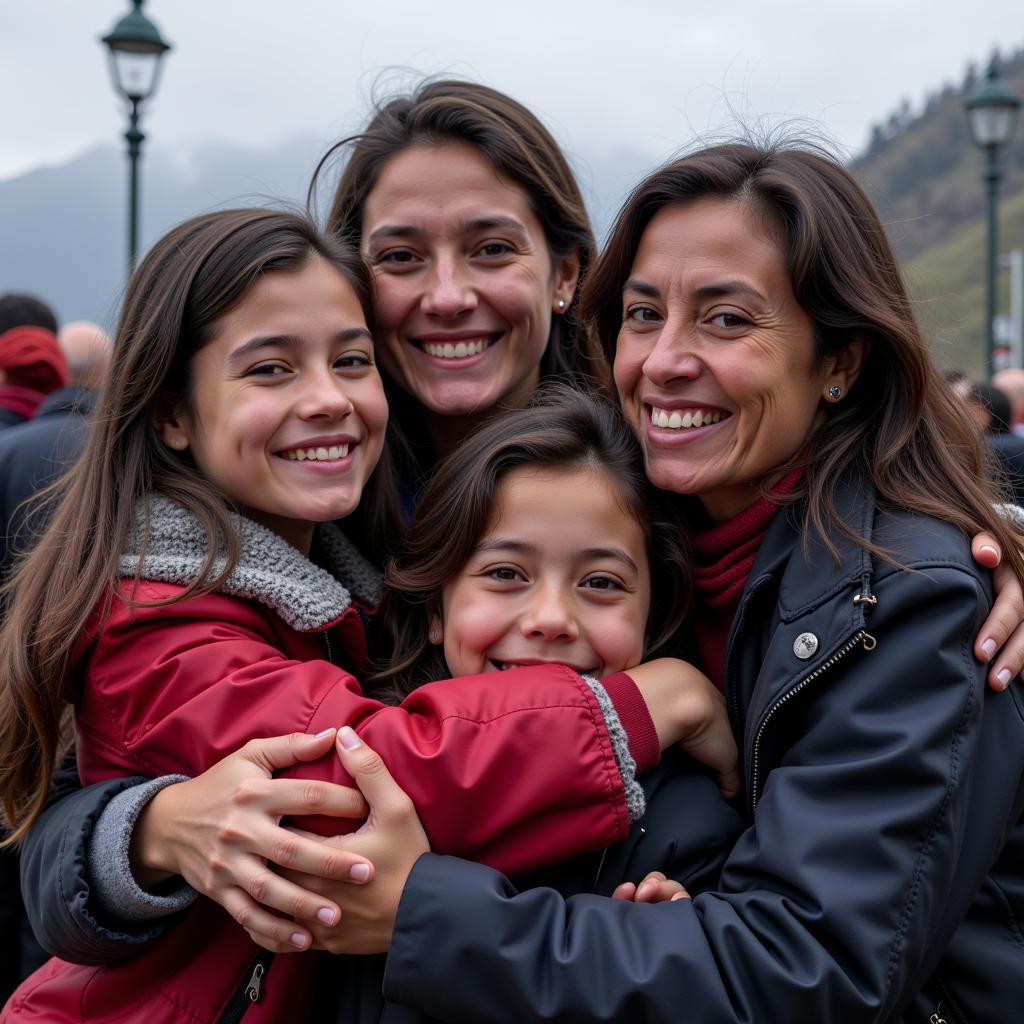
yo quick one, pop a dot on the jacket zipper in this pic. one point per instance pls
(327, 645)
(250, 991)
(954, 1013)
(861, 637)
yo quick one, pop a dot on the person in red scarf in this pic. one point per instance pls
(31, 362)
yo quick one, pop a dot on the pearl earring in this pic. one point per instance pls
(835, 392)
(561, 305)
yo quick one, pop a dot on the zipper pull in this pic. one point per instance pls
(936, 1017)
(867, 641)
(252, 990)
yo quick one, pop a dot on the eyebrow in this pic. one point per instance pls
(718, 290)
(489, 223)
(263, 341)
(506, 544)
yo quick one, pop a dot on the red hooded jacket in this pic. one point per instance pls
(513, 769)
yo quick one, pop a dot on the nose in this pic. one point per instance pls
(448, 293)
(673, 356)
(323, 397)
(549, 616)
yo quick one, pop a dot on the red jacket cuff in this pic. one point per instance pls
(635, 718)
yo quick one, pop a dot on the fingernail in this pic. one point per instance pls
(679, 896)
(348, 738)
(298, 940)
(989, 548)
(359, 872)
(1004, 675)
(320, 735)
(325, 915)
(988, 648)
(645, 887)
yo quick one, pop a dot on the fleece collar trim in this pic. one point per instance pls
(269, 570)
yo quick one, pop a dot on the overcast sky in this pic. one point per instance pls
(606, 75)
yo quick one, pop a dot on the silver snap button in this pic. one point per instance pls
(805, 646)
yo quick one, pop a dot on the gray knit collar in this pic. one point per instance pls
(269, 569)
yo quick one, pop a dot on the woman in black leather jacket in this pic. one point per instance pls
(766, 353)
(880, 875)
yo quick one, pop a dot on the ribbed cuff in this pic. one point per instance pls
(636, 801)
(117, 896)
(636, 720)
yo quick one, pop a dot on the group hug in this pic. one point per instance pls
(449, 620)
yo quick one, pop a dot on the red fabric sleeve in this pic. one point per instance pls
(636, 720)
(512, 769)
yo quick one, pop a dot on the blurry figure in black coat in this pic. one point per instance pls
(991, 410)
(33, 454)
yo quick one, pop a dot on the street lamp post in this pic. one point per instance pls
(992, 114)
(136, 48)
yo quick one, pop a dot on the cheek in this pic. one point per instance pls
(619, 641)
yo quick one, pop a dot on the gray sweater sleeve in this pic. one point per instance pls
(636, 802)
(117, 895)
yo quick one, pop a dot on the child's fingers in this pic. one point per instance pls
(278, 934)
(276, 752)
(299, 797)
(265, 890)
(625, 891)
(386, 798)
(656, 888)
(1002, 635)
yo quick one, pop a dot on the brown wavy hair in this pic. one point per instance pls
(521, 150)
(561, 428)
(190, 279)
(899, 426)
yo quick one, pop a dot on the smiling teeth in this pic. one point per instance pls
(317, 454)
(458, 350)
(684, 419)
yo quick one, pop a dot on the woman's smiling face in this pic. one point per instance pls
(465, 286)
(714, 363)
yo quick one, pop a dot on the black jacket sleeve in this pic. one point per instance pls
(55, 881)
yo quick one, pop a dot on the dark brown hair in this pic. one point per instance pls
(898, 426)
(561, 428)
(190, 279)
(521, 150)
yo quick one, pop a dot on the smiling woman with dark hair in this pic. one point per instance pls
(767, 356)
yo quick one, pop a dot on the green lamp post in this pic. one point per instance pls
(992, 114)
(135, 47)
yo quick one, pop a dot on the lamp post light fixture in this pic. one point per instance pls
(136, 49)
(992, 114)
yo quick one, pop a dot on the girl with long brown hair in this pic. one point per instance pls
(194, 592)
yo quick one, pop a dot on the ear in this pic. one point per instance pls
(435, 630)
(843, 368)
(566, 277)
(171, 424)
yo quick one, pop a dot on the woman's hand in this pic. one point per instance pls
(688, 709)
(1003, 631)
(219, 830)
(655, 888)
(392, 839)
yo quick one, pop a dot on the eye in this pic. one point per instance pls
(729, 320)
(268, 370)
(494, 249)
(641, 314)
(396, 258)
(603, 582)
(505, 574)
(352, 361)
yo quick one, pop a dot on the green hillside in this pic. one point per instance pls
(925, 175)
(947, 283)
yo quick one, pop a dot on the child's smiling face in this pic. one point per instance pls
(560, 575)
(288, 411)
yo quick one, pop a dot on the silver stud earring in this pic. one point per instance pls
(561, 305)
(835, 392)
(435, 635)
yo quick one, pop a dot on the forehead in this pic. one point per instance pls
(439, 188)
(687, 242)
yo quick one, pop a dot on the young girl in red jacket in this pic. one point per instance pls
(192, 593)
